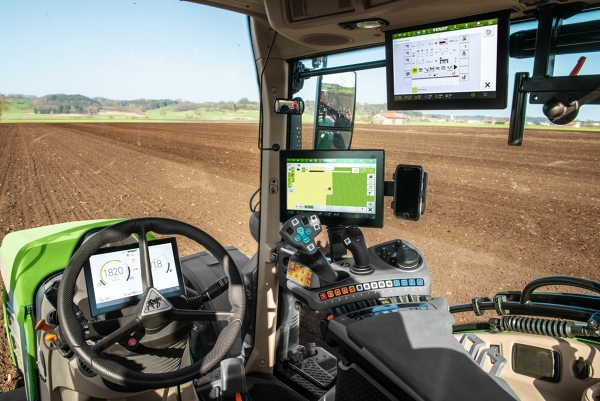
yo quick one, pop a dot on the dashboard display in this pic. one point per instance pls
(342, 187)
(462, 61)
(113, 275)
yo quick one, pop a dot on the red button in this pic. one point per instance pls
(323, 296)
(132, 342)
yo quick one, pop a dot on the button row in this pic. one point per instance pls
(338, 292)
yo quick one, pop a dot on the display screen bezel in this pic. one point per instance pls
(498, 102)
(89, 282)
(377, 154)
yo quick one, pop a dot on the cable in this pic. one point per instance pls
(275, 147)
(255, 207)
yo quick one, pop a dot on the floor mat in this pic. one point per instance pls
(263, 387)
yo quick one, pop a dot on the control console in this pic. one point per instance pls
(392, 269)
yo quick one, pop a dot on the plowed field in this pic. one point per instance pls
(497, 216)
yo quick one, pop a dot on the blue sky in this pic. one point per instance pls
(124, 49)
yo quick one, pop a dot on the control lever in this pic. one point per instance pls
(354, 241)
(213, 291)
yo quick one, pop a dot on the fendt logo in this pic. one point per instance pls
(440, 29)
(153, 304)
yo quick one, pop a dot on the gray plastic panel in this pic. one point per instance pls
(397, 282)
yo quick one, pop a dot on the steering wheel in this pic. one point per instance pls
(153, 312)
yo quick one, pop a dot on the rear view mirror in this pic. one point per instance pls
(287, 106)
(334, 116)
(410, 192)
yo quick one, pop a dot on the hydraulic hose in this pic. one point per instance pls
(548, 327)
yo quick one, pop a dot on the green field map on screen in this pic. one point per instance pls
(315, 187)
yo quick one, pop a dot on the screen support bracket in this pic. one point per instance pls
(561, 96)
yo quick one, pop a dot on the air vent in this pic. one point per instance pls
(84, 369)
(306, 9)
(52, 317)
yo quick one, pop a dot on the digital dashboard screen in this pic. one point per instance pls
(114, 280)
(462, 60)
(341, 187)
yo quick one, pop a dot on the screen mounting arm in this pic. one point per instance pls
(561, 96)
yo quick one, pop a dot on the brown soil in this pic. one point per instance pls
(497, 216)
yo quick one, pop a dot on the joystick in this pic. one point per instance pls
(354, 241)
(308, 266)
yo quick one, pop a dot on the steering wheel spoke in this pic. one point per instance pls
(145, 266)
(188, 315)
(125, 330)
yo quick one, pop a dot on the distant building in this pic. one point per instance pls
(573, 124)
(389, 118)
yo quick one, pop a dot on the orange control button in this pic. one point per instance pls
(344, 290)
(352, 289)
(337, 292)
(307, 282)
(308, 274)
(50, 337)
(330, 294)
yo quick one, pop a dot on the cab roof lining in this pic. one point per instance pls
(312, 26)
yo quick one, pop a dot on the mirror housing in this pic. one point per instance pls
(335, 108)
(289, 106)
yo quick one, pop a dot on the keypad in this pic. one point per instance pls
(375, 285)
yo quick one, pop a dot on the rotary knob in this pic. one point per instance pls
(407, 259)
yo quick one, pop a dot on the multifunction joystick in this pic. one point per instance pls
(308, 266)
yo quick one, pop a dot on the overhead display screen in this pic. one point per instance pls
(341, 187)
(113, 275)
(465, 60)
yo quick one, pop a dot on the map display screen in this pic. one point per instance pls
(113, 275)
(341, 187)
(450, 61)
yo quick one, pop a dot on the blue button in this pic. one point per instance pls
(411, 282)
(298, 238)
(307, 231)
(404, 283)
(397, 283)
(359, 287)
(300, 230)
(420, 281)
(305, 239)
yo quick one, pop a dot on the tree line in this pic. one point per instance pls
(79, 104)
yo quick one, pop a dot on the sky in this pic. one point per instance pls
(166, 49)
(124, 49)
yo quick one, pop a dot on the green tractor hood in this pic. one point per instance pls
(27, 257)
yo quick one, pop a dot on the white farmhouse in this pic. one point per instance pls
(389, 118)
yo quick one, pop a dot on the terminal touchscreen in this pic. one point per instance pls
(343, 187)
(459, 64)
(113, 275)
